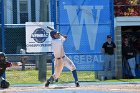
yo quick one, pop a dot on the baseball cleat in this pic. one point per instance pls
(47, 83)
(77, 84)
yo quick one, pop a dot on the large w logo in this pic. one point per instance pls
(86, 18)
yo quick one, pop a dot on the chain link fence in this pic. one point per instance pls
(14, 39)
(16, 14)
(25, 68)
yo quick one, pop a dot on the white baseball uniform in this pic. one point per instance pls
(60, 59)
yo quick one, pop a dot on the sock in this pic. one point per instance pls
(75, 75)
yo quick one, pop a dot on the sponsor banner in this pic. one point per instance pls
(87, 61)
(86, 23)
(37, 37)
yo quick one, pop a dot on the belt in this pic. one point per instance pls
(60, 57)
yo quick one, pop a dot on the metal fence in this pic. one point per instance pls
(14, 38)
(14, 31)
(85, 54)
(14, 14)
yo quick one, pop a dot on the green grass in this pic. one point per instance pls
(82, 76)
(31, 77)
(22, 77)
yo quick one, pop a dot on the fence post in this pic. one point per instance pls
(36, 62)
(23, 61)
(2, 26)
(42, 67)
(23, 58)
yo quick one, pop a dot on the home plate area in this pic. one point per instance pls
(90, 87)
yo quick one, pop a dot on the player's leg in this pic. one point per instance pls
(132, 64)
(70, 65)
(106, 66)
(112, 59)
(4, 83)
(58, 66)
(74, 73)
(49, 81)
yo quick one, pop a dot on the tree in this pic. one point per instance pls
(126, 7)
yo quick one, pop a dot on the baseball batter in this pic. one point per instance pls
(60, 59)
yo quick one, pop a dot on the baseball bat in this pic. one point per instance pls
(50, 28)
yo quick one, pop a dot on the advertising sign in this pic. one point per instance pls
(86, 23)
(37, 37)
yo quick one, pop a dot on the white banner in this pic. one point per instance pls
(38, 37)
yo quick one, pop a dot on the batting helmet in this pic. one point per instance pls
(52, 33)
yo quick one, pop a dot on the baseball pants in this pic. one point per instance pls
(60, 63)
